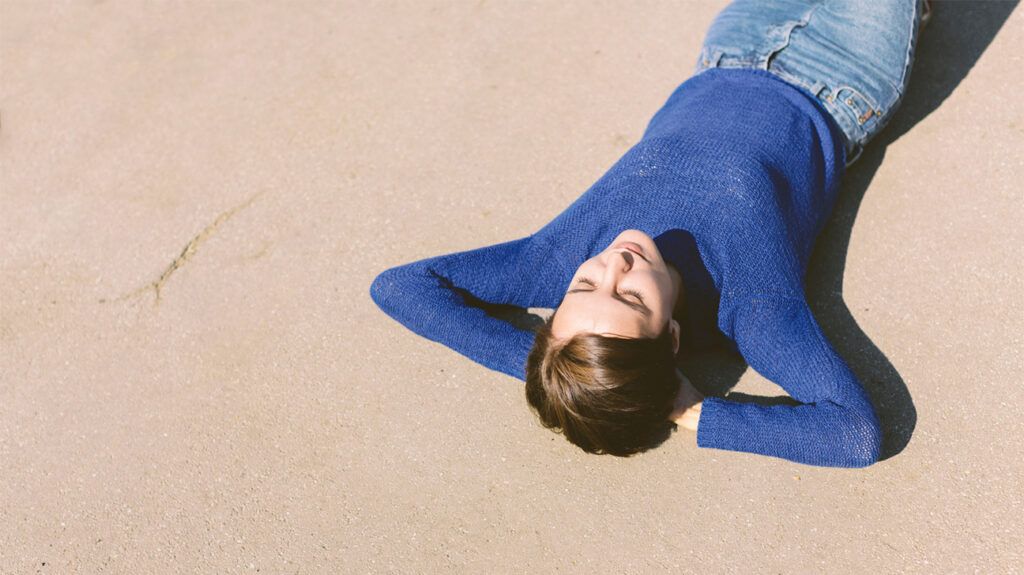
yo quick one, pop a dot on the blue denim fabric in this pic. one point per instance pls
(855, 56)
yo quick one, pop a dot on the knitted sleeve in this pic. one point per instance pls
(834, 423)
(440, 299)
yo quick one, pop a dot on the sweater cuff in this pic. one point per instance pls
(713, 425)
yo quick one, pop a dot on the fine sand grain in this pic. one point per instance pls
(195, 197)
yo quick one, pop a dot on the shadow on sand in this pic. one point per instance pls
(947, 49)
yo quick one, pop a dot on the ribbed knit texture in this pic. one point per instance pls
(734, 177)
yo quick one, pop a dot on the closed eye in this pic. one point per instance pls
(640, 307)
(631, 292)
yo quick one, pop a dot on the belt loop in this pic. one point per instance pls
(817, 88)
(711, 57)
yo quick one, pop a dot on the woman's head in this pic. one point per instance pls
(602, 368)
(627, 290)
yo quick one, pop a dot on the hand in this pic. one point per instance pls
(688, 403)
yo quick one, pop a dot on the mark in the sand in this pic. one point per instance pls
(186, 254)
(258, 253)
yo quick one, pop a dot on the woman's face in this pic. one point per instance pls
(625, 291)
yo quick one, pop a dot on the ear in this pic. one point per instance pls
(674, 326)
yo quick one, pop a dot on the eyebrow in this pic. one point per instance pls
(636, 306)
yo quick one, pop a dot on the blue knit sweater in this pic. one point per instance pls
(733, 178)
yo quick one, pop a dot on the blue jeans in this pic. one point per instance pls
(854, 56)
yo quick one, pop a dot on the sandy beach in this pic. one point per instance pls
(196, 196)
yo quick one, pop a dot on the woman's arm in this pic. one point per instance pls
(438, 298)
(834, 424)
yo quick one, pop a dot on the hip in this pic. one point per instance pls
(854, 57)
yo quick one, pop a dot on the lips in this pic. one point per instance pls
(633, 247)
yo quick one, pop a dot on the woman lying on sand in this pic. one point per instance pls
(698, 236)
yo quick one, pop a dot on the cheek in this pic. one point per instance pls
(665, 291)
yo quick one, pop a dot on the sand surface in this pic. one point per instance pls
(195, 197)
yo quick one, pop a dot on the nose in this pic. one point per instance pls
(619, 262)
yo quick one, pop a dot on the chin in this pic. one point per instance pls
(634, 233)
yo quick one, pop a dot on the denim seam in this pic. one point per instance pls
(802, 22)
(915, 30)
(899, 91)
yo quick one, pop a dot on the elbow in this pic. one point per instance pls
(379, 288)
(865, 440)
(383, 288)
(856, 435)
(404, 294)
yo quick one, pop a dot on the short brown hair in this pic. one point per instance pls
(606, 394)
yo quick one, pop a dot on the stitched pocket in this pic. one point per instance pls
(865, 112)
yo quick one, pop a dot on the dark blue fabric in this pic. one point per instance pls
(734, 177)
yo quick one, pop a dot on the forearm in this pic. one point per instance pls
(825, 433)
(428, 306)
(833, 422)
